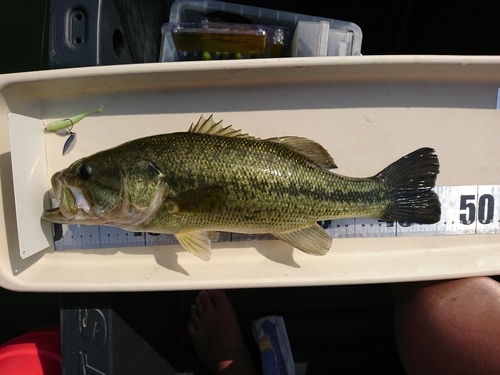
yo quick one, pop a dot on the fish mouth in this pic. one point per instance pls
(73, 207)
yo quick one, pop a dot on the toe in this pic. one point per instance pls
(206, 301)
(191, 328)
(218, 295)
(196, 315)
(220, 299)
(200, 308)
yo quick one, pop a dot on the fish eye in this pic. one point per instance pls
(84, 171)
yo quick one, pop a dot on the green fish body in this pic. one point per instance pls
(213, 178)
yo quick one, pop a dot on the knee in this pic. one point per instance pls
(441, 325)
(444, 295)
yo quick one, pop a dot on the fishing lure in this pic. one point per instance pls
(63, 127)
(70, 142)
(70, 121)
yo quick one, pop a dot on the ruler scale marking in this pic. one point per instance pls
(466, 210)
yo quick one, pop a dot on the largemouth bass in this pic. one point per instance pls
(214, 178)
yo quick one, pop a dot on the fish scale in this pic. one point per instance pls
(214, 178)
(306, 191)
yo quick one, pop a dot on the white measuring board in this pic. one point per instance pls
(465, 210)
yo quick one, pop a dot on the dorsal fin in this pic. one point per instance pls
(304, 146)
(308, 148)
(209, 126)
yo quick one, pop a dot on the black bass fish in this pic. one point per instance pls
(214, 178)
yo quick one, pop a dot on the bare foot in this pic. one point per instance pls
(216, 335)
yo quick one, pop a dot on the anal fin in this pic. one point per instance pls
(312, 239)
(196, 242)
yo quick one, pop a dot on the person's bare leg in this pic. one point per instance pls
(448, 327)
(216, 335)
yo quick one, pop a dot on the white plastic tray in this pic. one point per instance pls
(367, 111)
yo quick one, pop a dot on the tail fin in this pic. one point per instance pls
(410, 180)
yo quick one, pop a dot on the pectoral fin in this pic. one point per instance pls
(196, 242)
(311, 239)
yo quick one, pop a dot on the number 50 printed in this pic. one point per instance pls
(469, 209)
